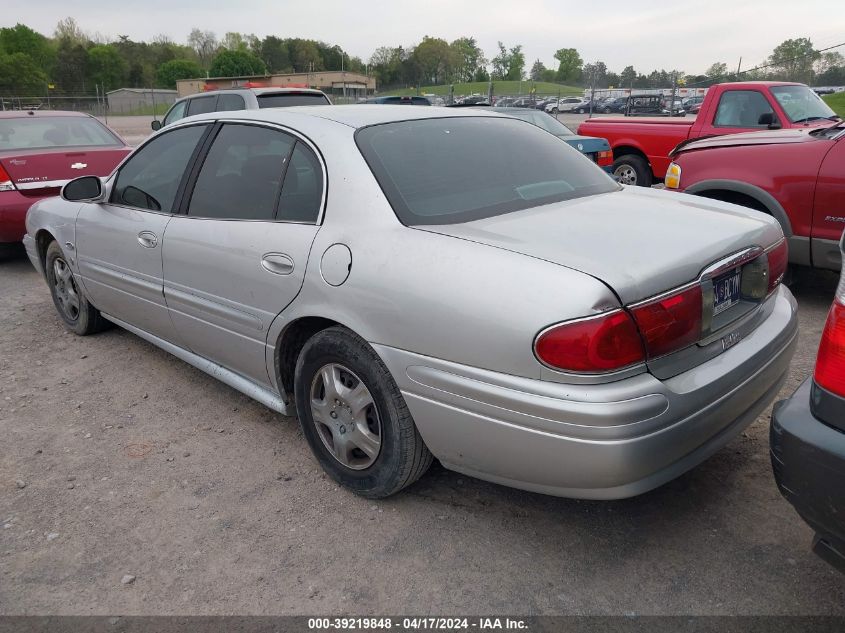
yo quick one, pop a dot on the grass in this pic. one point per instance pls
(499, 88)
(160, 109)
(836, 102)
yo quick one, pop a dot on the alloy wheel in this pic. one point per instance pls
(626, 175)
(64, 287)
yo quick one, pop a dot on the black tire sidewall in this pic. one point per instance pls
(336, 346)
(82, 324)
(639, 165)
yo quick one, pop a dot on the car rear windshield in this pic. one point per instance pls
(41, 132)
(286, 99)
(459, 169)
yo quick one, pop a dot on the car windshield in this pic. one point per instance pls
(285, 99)
(543, 121)
(459, 169)
(41, 132)
(801, 104)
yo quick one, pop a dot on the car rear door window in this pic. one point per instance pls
(741, 108)
(150, 178)
(227, 103)
(302, 193)
(241, 177)
(201, 105)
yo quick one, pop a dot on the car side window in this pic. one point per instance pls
(226, 103)
(741, 108)
(150, 177)
(176, 112)
(201, 105)
(302, 193)
(241, 177)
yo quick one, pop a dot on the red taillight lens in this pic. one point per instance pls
(604, 158)
(830, 362)
(670, 323)
(778, 261)
(6, 183)
(602, 343)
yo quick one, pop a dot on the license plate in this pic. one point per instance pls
(726, 291)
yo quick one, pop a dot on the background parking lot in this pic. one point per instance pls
(132, 483)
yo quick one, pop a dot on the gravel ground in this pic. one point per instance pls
(132, 483)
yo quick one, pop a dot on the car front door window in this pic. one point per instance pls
(742, 108)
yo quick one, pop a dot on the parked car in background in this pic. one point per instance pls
(503, 102)
(240, 99)
(678, 108)
(694, 108)
(808, 440)
(403, 100)
(605, 372)
(542, 103)
(641, 147)
(614, 104)
(524, 102)
(584, 107)
(564, 104)
(40, 151)
(692, 101)
(596, 149)
(645, 105)
(797, 176)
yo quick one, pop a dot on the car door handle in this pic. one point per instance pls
(277, 263)
(147, 239)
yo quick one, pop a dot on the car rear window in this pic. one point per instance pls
(286, 99)
(57, 131)
(459, 169)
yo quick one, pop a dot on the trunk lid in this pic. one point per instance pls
(640, 242)
(43, 171)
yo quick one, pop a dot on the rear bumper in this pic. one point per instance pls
(808, 460)
(603, 441)
(13, 208)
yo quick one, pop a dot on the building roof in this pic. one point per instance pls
(143, 90)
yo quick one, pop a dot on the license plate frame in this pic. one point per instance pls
(727, 291)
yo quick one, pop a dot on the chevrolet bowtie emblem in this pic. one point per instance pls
(79, 166)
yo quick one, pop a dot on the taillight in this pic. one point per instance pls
(6, 183)
(830, 362)
(670, 323)
(606, 342)
(604, 158)
(778, 261)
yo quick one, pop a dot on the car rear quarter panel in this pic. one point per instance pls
(431, 294)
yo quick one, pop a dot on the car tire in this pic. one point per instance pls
(633, 170)
(555, 111)
(77, 313)
(354, 417)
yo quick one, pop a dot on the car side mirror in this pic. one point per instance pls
(83, 189)
(156, 125)
(770, 120)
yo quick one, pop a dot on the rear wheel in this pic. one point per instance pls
(633, 170)
(355, 418)
(79, 316)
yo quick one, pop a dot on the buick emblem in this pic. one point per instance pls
(79, 166)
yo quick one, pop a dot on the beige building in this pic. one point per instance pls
(331, 82)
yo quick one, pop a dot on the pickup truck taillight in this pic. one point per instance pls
(6, 183)
(830, 362)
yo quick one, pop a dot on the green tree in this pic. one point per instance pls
(793, 60)
(106, 67)
(436, 60)
(274, 53)
(570, 65)
(236, 64)
(627, 77)
(830, 69)
(70, 69)
(469, 58)
(595, 75)
(537, 71)
(169, 72)
(68, 31)
(204, 45)
(22, 39)
(21, 75)
(509, 64)
(304, 55)
(717, 71)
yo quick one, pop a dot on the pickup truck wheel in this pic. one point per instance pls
(633, 170)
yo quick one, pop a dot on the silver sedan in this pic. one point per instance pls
(420, 283)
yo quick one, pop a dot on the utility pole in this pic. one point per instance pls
(738, 66)
(343, 75)
(674, 89)
(153, 94)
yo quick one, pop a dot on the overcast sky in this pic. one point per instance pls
(681, 34)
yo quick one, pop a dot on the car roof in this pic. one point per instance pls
(18, 114)
(354, 116)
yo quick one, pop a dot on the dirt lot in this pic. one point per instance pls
(121, 460)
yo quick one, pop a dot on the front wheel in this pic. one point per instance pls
(633, 170)
(355, 418)
(78, 315)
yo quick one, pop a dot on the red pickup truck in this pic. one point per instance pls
(641, 146)
(796, 176)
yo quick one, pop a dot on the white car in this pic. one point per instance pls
(567, 104)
